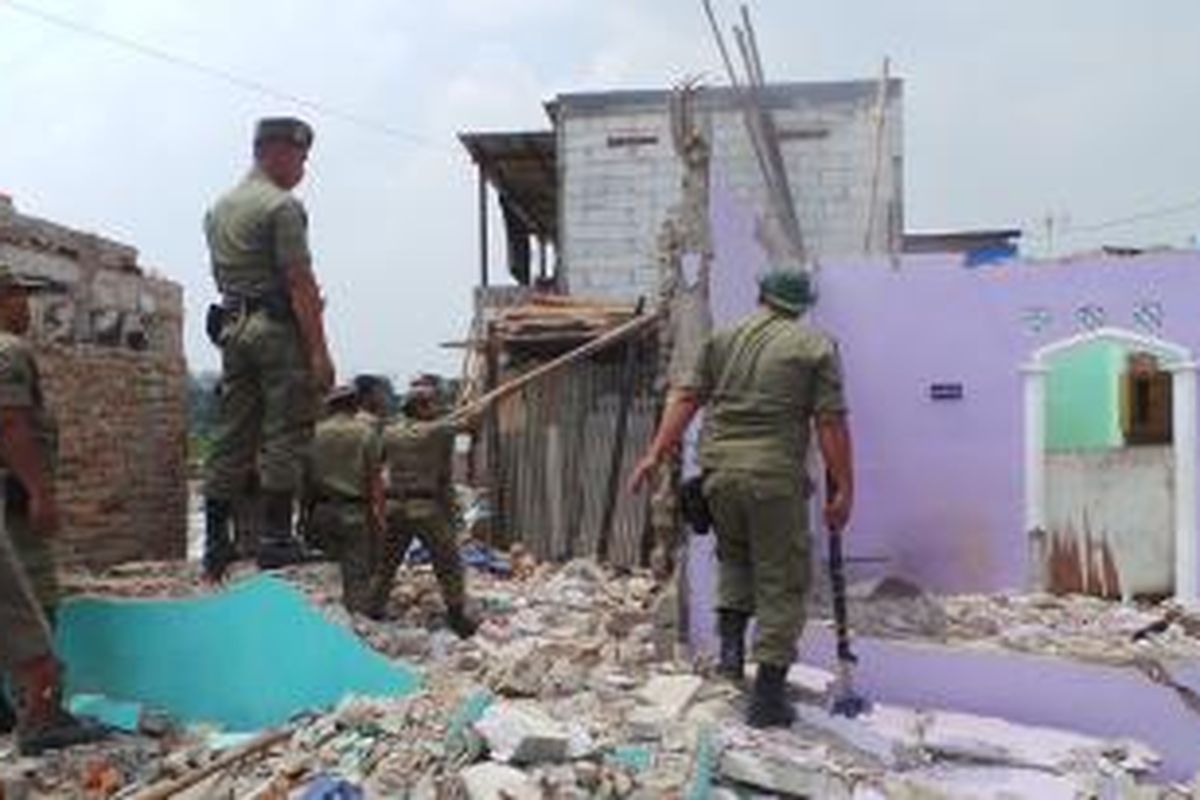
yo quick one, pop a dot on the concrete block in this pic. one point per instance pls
(491, 781)
(522, 733)
(670, 693)
(793, 772)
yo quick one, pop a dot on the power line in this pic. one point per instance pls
(219, 73)
(1155, 213)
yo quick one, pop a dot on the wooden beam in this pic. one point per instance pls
(483, 229)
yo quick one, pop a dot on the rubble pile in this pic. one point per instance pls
(571, 690)
(1072, 626)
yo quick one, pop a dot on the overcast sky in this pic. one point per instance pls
(1088, 110)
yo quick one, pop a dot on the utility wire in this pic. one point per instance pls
(218, 73)
(1155, 213)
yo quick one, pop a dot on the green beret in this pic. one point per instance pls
(289, 129)
(788, 290)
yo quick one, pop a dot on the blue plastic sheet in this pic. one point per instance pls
(246, 658)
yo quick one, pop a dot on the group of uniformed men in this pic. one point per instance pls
(368, 482)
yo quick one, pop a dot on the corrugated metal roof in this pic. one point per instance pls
(523, 168)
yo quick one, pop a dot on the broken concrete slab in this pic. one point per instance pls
(981, 783)
(792, 771)
(647, 723)
(994, 740)
(491, 781)
(523, 733)
(670, 693)
(888, 734)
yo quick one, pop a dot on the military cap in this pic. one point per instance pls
(288, 129)
(424, 380)
(788, 290)
(340, 394)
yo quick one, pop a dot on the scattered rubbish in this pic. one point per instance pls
(563, 694)
(328, 787)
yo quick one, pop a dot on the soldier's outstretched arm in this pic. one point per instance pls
(682, 405)
(22, 455)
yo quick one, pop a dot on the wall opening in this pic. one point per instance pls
(1110, 466)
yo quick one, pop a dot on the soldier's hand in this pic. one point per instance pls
(642, 472)
(837, 512)
(323, 373)
(43, 513)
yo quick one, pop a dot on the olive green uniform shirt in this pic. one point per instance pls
(346, 451)
(254, 231)
(419, 458)
(20, 387)
(762, 381)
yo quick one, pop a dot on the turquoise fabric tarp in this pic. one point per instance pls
(246, 658)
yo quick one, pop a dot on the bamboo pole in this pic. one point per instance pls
(256, 746)
(614, 336)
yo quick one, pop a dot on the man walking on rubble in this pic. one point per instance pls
(765, 383)
(274, 358)
(419, 451)
(343, 496)
(26, 449)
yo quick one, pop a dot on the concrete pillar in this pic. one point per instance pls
(1183, 391)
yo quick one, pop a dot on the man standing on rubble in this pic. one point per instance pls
(343, 496)
(26, 439)
(419, 452)
(274, 359)
(374, 398)
(765, 383)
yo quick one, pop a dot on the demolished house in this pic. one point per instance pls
(109, 344)
(987, 396)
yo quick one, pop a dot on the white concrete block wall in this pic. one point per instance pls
(614, 199)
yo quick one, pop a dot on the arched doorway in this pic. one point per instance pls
(1144, 359)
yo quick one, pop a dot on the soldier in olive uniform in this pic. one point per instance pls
(374, 398)
(19, 377)
(766, 383)
(26, 657)
(344, 496)
(419, 451)
(274, 359)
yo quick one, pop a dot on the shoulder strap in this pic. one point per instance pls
(749, 342)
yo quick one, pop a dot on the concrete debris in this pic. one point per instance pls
(523, 733)
(492, 781)
(563, 694)
(670, 694)
(1076, 626)
(794, 771)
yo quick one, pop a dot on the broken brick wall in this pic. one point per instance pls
(109, 342)
(122, 487)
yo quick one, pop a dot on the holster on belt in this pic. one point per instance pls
(214, 323)
(693, 506)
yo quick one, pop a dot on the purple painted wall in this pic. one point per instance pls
(940, 483)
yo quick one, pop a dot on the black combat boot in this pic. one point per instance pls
(42, 723)
(276, 546)
(460, 622)
(731, 626)
(219, 552)
(769, 704)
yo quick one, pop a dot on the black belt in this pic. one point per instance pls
(272, 304)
